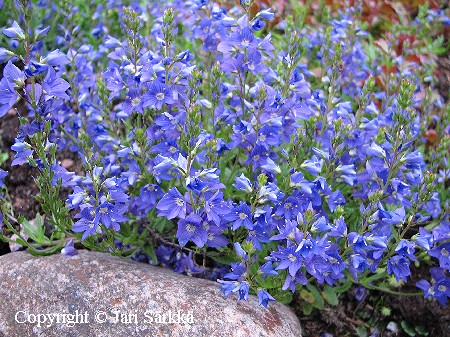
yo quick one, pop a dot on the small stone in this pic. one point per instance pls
(392, 326)
(96, 294)
(20, 203)
(67, 163)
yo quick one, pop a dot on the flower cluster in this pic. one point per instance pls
(272, 160)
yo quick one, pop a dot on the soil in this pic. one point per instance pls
(360, 318)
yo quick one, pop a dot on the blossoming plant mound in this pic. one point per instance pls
(276, 160)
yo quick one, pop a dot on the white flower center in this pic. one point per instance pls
(136, 101)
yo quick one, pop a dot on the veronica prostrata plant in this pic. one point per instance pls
(275, 159)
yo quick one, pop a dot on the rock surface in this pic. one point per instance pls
(110, 296)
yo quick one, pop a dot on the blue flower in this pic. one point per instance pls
(5, 55)
(257, 24)
(292, 281)
(172, 205)
(357, 241)
(61, 175)
(360, 292)
(254, 63)
(56, 59)
(54, 85)
(14, 75)
(227, 287)
(442, 253)
(307, 247)
(23, 152)
(215, 237)
(157, 95)
(258, 235)
(288, 229)
(288, 258)
(335, 199)
(339, 228)
(35, 68)
(191, 229)
(243, 184)
(8, 95)
(3, 174)
(14, 32)
(268, 269)
(237, 271)
(240, 215)
(163, 168)
(240, 40)
(266, 14)
(165, 255)
(440, 287)
(242, 289)
(406, 248)
(357, 264)
(313, 166)
(399, 266)
(85, 224)
(264, 297)
(376, 151)
(185, 264)
(216, 208)
(133, 103)
(110, 215)
(424, 239)
(69, 249)
(289, 208)
(148, 195)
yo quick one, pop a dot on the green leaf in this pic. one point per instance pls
(3, 157)
(379, 274)
(307, 296)
(318, 303)
(30, 230)
(47, 251)
(361, 331)
(150, 251)
(125, 229)
(271, 282)
(224, 256)
(330, 295)
(408, 329)
(21, 242)
(161, 224)
(422, 330)
(281, 296)
(343, 287)
(40, 229)
(307, 308)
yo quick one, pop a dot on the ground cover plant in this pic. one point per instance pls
(297, 158)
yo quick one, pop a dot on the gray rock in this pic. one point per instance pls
(95, 294)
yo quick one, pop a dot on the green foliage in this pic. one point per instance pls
(413, 330)
(3, 157)
(329, 294)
